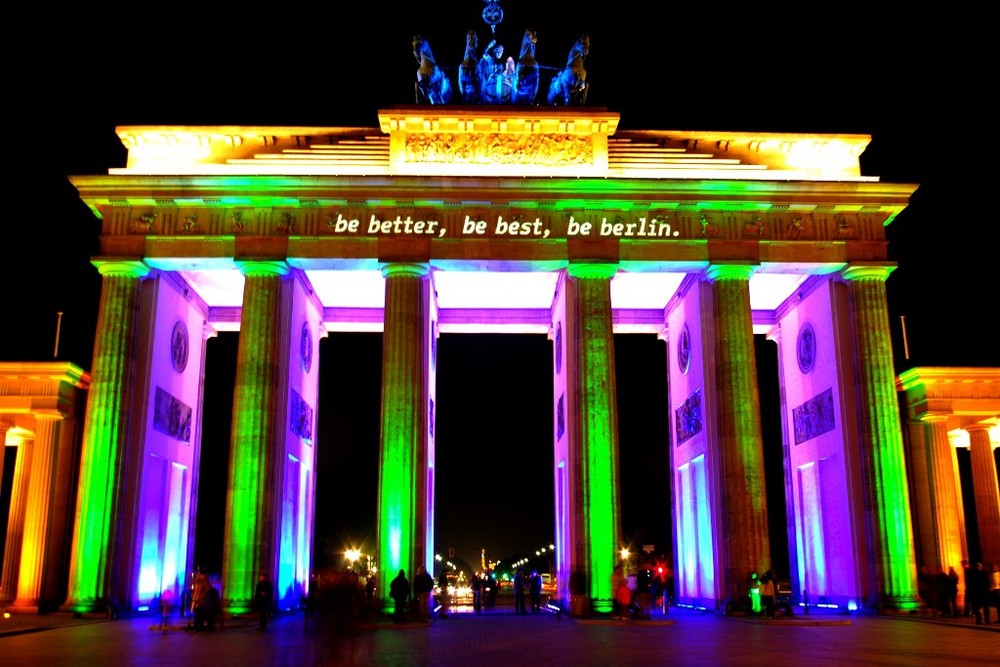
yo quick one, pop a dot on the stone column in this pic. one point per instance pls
(15, 520)
(947, 512)
(891, 529)
(105, 434)
(596, 418)
(744, 543)
(248, 544)
(404, 443)
(37, 515)
(985, 492)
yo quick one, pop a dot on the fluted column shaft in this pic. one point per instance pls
(946, 496)
(882, 441)
(404, 445)
(250, 514)
(105, 434)
(744, 541)
(986, 492)
(596, 418)
(37, 517)
(15, 521)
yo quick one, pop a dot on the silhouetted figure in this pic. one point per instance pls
(754, 593)
(952, 592)
(423, 586)
(520, 588)
(966, 602)
(994, 592)
(977, 591)
(399, 591)
(768, 593)
(200, 601)
(263, 598)
(535, 591)
(620, 593)
(492, 590)
(477, 593)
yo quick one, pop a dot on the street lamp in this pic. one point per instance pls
(352, 556)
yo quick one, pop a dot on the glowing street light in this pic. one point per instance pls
(352, 556)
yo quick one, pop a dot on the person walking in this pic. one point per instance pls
(399, 591)
(423, 586)
(263, 597)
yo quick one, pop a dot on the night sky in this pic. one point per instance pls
(660, 67)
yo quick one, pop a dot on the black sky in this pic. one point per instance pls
(659, 66)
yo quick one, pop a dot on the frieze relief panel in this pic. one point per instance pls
(546, 149)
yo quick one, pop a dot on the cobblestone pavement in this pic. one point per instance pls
(679, 637)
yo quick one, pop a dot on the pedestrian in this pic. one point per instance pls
(966, 602)
(370, 589)
(477, 593)
(520, 586)
(263, 597)
(399, 591)
(952, 592)
(768, 593)
(994, 599)
(423, 586)
(621, 596)
(754, 593)
(535, 592)
(200, 601)
(977, 591)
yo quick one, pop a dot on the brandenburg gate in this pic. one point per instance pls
(703, 238)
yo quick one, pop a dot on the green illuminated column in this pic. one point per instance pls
(15, 520)
(744, 545)
(985, 491)
(248, 546)
(882, 441)
(403, 459)
(947, 514)
(105, 433)
(591, 343)
(37, 520)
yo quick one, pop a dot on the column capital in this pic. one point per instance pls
(414, 269)
(592, 269)
(720, 271)
(262, 267)
(980, 426)
(870, 271)
(931, 416)
(121, 267)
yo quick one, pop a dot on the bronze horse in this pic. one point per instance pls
(569, 87)
(432, 86)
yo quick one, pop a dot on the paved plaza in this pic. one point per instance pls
(680, 637)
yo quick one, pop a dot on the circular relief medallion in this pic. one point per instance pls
(684, 350)
(179, 346)
(806, 348)
(306, 347)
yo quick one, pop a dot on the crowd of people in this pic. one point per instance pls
(939, 591)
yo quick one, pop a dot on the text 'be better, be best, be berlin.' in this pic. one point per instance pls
(532, 229)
